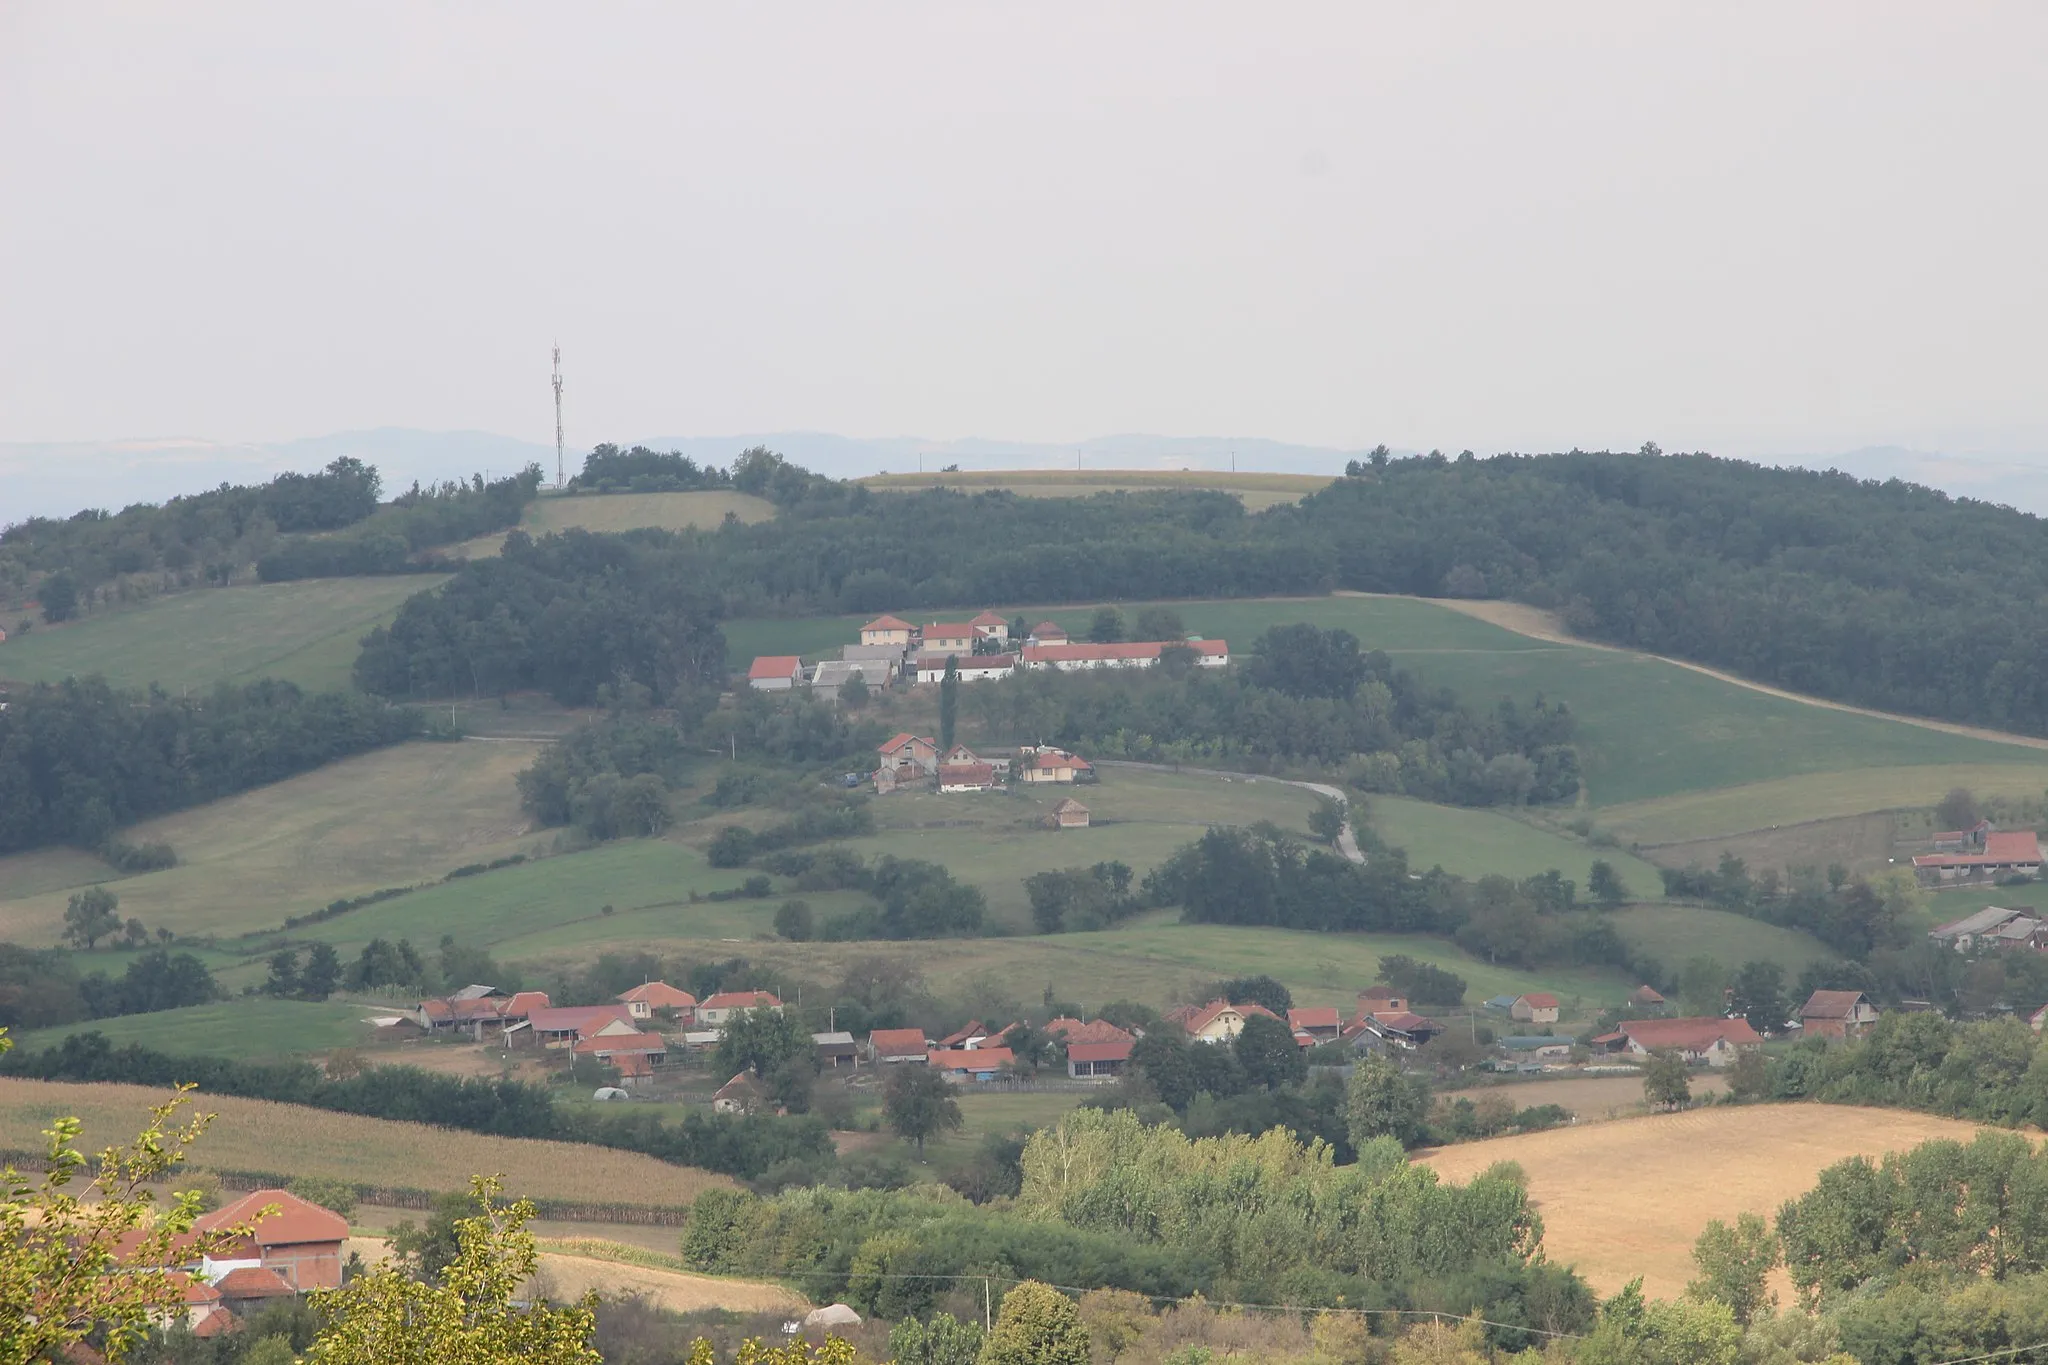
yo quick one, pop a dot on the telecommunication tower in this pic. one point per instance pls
(558, 416)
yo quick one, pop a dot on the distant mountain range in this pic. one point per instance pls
(57, 479)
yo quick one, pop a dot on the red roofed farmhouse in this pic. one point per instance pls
(775, 672)
(2001, 853)
(1836, 1014)
(1716, 1042)
(887, 630)
(717, 1010)
(897, 1045)
(1535, 1008)
(300, 1244)
(1071, 658)
(643, 1000)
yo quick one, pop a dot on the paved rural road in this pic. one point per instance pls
(1347, 842)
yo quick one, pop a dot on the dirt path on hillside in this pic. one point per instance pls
(1539, 624)
(1347, 841)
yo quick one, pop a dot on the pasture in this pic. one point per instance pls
(1673, 933)
(292, 1140)
(258, 1029)
(1790, 801)
(1477, 843)
(305, 632)
(612, 512)
(1629, 1198)
(1256, 491)
(395, 817)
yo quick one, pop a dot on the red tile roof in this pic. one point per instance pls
(1140, 649)
(578, 1018)
(950, 630)
(980, 1059)
(1540, 1000)
(253, 1282)
(741, 1000)
(1405, 1021)
(904, 741)
(888, 623)
(967, 774)
(775, 666)
(660, 995)
(958, 1037)
(195, 1291)
(1048, 630)
(1315, 1016)
(296, 1220)
(1094, 1031)
(897, 1042)
(1690, 1035)
(1099, 1052)
(2000, 847)
(1195, 1018)
(988, 618)
(213, 1323)
(1831, 1005)
(523, 1004)
(1644, 995)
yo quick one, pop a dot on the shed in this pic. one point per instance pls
(1070, 814)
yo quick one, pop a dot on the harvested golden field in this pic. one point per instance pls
(1629, 1198)
(571, 1277)
(1588, 1097)
(292, 1140)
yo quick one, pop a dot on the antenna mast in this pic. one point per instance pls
(558, 416)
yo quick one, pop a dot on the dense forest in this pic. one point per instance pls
(79, 759)
(1877, 594)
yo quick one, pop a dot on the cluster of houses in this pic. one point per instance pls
(908, 762)
(982, 649)
(1979, 854)
(293, 1250)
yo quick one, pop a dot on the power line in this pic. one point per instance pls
(1994, 1355)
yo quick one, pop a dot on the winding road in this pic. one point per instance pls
(1347, 842)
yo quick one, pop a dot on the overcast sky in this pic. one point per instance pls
(1754, 228)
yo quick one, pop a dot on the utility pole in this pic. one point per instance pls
(558, 415)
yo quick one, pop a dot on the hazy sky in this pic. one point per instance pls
(1747, 227)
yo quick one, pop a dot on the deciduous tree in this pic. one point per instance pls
(1038, 1326)
(919, 1104)
(1735, 1265)
(91, 915)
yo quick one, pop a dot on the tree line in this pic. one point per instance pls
(79, 759)
(742, 1145)
(390, 539)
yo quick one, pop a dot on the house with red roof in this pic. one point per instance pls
(775, 672)
(888, 1046)
(1644, 1000)
(616, 1045)
(909, 751)
(1219, 1021)
(1044, 764)
(970, 1034)
(1402, 1028)
(643, 1000)
(245, 1289)
(989, 626)
(1098, 1061)
(565, 1026)
(1048, 633)
(1836, 1014)
(887, 630)
(1702, 1042)
(197, 1300)
(717, 1010)
(1322, 1023)
(944, 638)
(298, 1247)
(1071, 1031)
(740, 1095)
(967, 777)
(978, 1064)
(1993, 854)
(1536, 1007)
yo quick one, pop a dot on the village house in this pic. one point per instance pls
(1322, 1023)
(966, 777)
(836, 1050)
(477, 1010)
(251, 1288)
(299, 1245)
(1047, 633)
(1072, 1031)
(910, 751)
(975, 1064)
(775, 672)
(1381, 1000)
(1535, 1008)
(1073, 658)
(717, 1011)
(931, 668)
(891, 1046)
(1043, 764)
(1712, 1042)
(613, 1044)
(989, 626)
(198, 1301)
(1990, 856)
(1098, 1061)
(1069, 814)
(564, 1027)
(969, 1035)
(1992, 927)
(943, 639)
(740, 1095)
(1836, 1014)
(1219, 1021)
(891, 631)
(643, 1000)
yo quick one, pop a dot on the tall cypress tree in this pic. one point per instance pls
(949, 703)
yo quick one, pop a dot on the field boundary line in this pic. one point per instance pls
(1538, 624)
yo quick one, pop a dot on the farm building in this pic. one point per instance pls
(836, 1051)
(980, 1064)
(1992, 927)
(1643, 1000)
(966, 777)
(1072, 658)
(891, 1046)
(1320, 1022)
(1540, 1047)
(1714, 1042)
(775, 673)
(300, 1244)
(1097, 1061)
(931, 668)
(643, 1000)
(1836, 1014)
(563, 1028)
(1404, 1028)
(740, 1095)
(971, 1034)
(1993, 854)
(614, 1046)
(718, 1010)
(834, 674)
(1383, 999)
(1069, 814)
(1535, 1008)
(893, 631)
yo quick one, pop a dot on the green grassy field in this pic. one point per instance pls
(609, 512)
(392, 818)
(1474, 843)
(246, 1030)
(1819, 796)
(1673, 933)
(1647, 729)
(305, 632)
(1256, 491)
